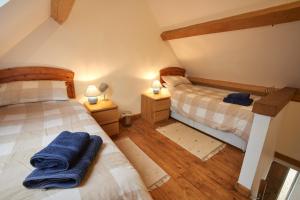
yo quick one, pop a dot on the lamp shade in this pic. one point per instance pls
(156, 84)
(92, 91)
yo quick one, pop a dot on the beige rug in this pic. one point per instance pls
(197, 143)
(152, 175)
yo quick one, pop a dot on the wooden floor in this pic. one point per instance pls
(190, 177)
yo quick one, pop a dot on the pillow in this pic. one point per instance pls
(175, 80)
(32, 91)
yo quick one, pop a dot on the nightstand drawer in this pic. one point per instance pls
(161, 115)
(106, 117)
(163, 104)
(111, 129)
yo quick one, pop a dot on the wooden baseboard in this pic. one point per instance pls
(242, 190)
(287, 159)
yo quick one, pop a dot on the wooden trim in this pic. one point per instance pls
(39, 73)
(242, 190)
(272, 104)
(171, 71)
(287, 159)
(253, 89)
(61, 9)
(270, 16)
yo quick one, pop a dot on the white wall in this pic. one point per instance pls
(269, 148)
(264, 56)
(102, 41)
(289, 138)
(18, 18)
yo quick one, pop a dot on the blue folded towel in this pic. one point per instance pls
(239, 98)
(239, 95)
(243, 102)
(43, 179)
(62, 152)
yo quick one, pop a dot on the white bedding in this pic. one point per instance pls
(205, 105)
(27, 128)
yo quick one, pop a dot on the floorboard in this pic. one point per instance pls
(191, 178)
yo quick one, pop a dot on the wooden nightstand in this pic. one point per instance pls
(155, 107)
(106, 114)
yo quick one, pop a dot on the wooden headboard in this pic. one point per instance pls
(171, 71)
(39, 73)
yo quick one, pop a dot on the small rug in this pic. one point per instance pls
(197, 143)
(152, 175)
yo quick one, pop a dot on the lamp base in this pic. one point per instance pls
(155, 90)
(93, 100)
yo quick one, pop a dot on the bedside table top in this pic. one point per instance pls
(161, 95)
(100, 106)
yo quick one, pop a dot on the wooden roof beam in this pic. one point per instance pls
(270, 16)
(61, 9)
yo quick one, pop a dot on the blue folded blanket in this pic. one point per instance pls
(62, 152)
(239, 98)
(72, 177)
(239, 95)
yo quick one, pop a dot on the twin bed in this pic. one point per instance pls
(25, 128)
(203, 108)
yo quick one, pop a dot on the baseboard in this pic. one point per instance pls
(287, 159)
(242, 190)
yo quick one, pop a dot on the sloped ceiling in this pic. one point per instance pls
(266, 55)
(173, 14)
(18, 18)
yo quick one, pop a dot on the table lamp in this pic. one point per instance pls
(92, 94)
(156, 87)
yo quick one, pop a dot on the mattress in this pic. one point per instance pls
(27, 128)
(205, 105)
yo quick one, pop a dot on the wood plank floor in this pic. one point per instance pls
(191, 179)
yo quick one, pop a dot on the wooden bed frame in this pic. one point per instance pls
(39, 73)
(171, 71)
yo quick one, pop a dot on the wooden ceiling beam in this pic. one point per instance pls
(61, 9)
(270, 16)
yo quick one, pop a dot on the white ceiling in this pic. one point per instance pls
(18, 18)
(173, 13)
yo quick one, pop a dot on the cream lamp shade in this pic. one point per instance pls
(156, 86)
(92, 92)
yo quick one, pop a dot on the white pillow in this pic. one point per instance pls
(174, 81)
(32, 91)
